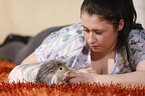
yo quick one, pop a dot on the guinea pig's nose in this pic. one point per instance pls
(68, 73)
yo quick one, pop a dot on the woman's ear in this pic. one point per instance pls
(121, 25)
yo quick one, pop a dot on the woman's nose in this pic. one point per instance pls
(91, 38)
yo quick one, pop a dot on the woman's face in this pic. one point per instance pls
(100, 35)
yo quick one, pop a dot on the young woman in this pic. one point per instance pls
(111, 32)
(106, 46)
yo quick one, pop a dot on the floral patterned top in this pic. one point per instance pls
(68, 44)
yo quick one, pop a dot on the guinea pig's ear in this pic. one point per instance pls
(66, 63)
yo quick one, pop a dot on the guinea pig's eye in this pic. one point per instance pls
(60, 68)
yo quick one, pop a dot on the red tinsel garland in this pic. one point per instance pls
(30, 89)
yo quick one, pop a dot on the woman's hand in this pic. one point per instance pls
(82, 75)
(75, 76)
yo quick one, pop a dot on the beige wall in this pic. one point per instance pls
(140, 9)
(28, 17)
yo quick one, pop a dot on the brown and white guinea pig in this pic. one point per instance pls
(53, 71)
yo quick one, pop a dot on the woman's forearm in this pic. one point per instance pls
(137, 77)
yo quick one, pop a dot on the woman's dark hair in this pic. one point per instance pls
(113, 11)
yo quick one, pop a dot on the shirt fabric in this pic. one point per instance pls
(68, 44)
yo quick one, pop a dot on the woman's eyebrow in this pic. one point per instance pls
(84, 26)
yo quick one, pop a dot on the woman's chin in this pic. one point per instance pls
(96, 50)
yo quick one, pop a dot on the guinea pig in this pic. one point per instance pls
(53, 71)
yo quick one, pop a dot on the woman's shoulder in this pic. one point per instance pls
(65, 32)
(136, 39)
(61, 43)
(136, 35)
(138, 32)
(136, 43)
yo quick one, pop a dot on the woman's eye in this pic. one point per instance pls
(98, 32)
(86, 30)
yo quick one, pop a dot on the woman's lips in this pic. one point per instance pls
(93, 46)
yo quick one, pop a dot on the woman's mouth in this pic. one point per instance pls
(94, 47)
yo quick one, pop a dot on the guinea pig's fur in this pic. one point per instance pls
(53, 71)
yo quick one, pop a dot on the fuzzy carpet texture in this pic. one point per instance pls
(29, 89)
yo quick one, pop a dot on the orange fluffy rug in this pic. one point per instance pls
(29, 89)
